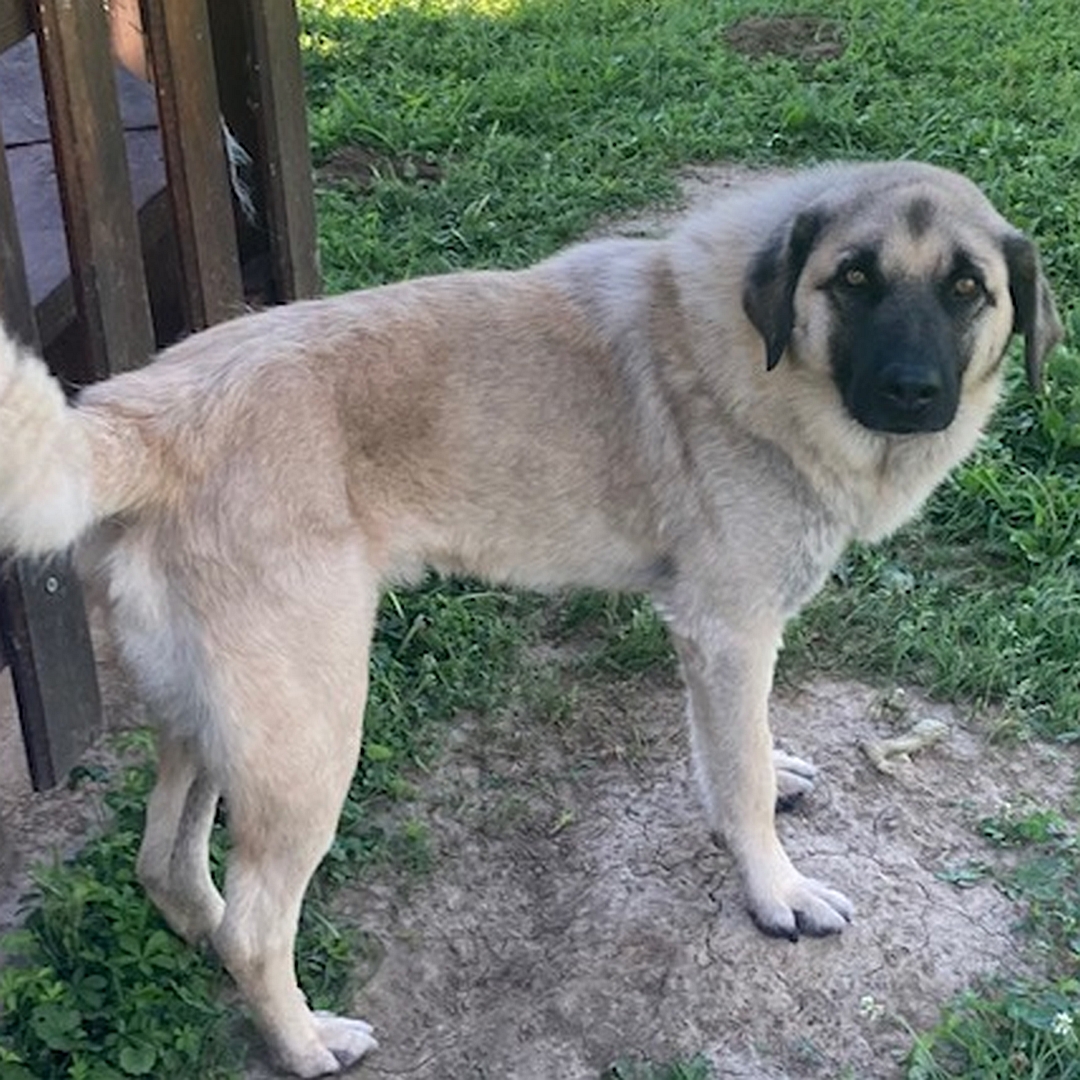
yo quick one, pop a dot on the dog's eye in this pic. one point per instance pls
(855, 280)
(966, 287)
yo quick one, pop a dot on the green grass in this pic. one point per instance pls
(541, 117)
(96, 988)
(553, 113)
(1021, 1030)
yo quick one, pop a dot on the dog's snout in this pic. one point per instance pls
(907, 396)
(900, 363)
(904, 393)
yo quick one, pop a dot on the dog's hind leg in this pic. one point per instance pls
(174, 858)
(291, 664)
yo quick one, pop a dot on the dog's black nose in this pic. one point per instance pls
(911, 389)
(904, 397)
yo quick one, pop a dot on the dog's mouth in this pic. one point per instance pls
(886, 423)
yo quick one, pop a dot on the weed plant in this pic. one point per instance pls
(534, 119)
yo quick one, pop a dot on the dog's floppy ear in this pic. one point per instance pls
(1035, 314)
(769, 291)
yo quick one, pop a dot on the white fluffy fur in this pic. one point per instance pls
(45, 478)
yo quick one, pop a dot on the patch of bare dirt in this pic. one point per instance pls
(578, 911)
(14, 777)
(809, 38)
(360, 166)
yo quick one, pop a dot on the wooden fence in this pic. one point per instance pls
(120, 230)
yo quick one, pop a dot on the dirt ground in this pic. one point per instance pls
(577, 911)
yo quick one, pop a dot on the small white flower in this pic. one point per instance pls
(1062, 1025)
(870, 1008)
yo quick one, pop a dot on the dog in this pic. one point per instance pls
(708, 418)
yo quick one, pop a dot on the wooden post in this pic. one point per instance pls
(14, 22)
(7, 856)
(285, 153)
(182, 61)
(43, 625)
(95, 188)
(257, 49)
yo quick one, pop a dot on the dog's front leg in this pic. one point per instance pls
(729, 673)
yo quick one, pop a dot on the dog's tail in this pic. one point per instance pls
(48, 492)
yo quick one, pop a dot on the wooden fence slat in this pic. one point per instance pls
(44, 630)
(284, 152)
(178, 34)
(15, 304)
(43, 633)
(95, 188)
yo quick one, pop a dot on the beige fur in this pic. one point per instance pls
(605, 418)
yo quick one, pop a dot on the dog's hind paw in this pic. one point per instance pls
(347, 1039)
(794, 778)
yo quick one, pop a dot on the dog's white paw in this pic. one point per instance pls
(308, 1061)
(797, 905)
(346, 1038)
(337, 1043)
(794, 778)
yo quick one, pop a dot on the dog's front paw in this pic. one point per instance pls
(337, 1043)
(347, 1039)
(794, 778)
(799, 905)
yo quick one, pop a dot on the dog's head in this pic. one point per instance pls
(905, 283)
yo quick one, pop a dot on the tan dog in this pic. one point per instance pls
(709, 418)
